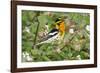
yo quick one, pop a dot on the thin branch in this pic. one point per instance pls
(36, 32)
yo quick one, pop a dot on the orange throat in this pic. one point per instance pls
(62, 29)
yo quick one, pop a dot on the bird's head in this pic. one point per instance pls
(60, 25)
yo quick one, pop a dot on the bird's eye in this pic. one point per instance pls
(58, 23)
(57, 20)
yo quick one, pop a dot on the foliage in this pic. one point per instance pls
(75, 45)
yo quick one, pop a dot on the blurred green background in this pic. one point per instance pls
(76, 43)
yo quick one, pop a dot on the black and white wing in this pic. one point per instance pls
(51, 36)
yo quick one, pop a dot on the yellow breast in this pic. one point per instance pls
(62, 27)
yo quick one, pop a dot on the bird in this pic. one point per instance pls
(56, 34)
(60, 25)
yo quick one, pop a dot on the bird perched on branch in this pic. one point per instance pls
(56, 34)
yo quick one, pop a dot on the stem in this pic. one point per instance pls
(36, 33)
(36, 30)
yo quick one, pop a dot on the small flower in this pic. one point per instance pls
(88, 27)
(58, 50)
(29, 58)
(26, 56)
(48, 13)
(26, 53)
(77, 47)
(23, 55)
(78, 57)
(71, 30)
(27, 29)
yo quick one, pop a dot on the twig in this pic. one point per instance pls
(36, 32)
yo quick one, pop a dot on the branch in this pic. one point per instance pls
(36, 32)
